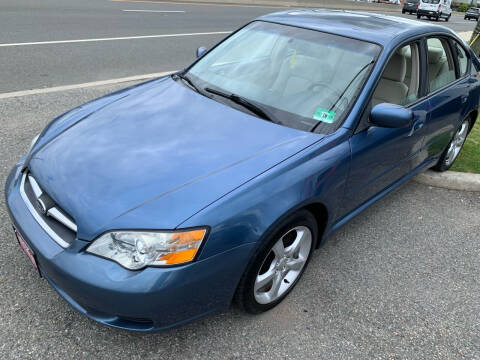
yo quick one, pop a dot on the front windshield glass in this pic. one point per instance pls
(302, 78)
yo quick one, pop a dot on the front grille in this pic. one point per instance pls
(51, 217)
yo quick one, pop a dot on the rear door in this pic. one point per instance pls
(381, 156)
(448, 90)
(446, 7)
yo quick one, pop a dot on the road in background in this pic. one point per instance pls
(46, 65)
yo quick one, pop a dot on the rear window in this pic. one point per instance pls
(431, 1)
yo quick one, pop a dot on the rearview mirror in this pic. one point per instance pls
(201, 50)
(391, 116)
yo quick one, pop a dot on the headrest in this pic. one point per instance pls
(434, 55)
(396, 68)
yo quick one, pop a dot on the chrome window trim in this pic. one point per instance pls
(40, 221)
(60, 217)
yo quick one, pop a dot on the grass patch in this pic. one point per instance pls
(469, 158)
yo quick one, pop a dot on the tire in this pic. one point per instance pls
(403, 11)
(419, 16)
(447, 18)
(410, 13)
(256, 291)
(450, 154)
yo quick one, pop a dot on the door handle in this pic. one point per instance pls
(417, 125)
(464, 99)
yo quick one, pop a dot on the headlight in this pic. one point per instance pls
(138, 249)
(34, 140)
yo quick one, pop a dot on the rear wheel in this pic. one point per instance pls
(278, 265)
(450, 154)
(448, 17)
(403, 11)
(419, 16)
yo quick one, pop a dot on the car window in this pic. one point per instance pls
(441, 69)
(301, 78)
(462, 59)
(399, 83)
(263, 48)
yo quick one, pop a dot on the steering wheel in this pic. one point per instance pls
(323, 84)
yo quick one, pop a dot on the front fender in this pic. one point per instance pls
(249, 213)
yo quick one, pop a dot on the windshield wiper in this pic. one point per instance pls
(243, 102)
(189, 82)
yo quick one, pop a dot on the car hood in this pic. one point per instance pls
(153, 156)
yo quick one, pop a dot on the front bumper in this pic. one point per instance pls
(145, 300)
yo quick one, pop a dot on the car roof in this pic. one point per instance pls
(381, 29)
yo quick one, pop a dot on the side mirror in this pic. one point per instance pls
(391, 116)
(201, 50)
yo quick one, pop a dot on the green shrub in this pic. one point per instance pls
(462, 7)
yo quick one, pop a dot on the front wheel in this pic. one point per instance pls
(450, 154)
(278, 265)
(418, 16)
(403, 11)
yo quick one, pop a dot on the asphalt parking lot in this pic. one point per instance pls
(400, 281)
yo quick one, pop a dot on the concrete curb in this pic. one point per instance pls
(450, 180)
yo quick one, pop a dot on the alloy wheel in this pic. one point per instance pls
(457, 143)
(283, 265)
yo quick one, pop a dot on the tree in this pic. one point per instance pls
(475, 39)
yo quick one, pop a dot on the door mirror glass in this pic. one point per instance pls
(201, 50)
(391, 116)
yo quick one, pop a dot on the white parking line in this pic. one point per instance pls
(82, 85)
(156, 11)
(114, 38)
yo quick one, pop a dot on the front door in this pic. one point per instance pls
(381, 156)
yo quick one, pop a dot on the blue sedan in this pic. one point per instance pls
(166, 201)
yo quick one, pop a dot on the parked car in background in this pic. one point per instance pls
(472, 13)
(435, 9)
(410, 6)
(166, 201)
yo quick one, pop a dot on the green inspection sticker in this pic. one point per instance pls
(324, 115)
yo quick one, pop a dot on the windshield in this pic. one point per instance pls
(301, 78)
